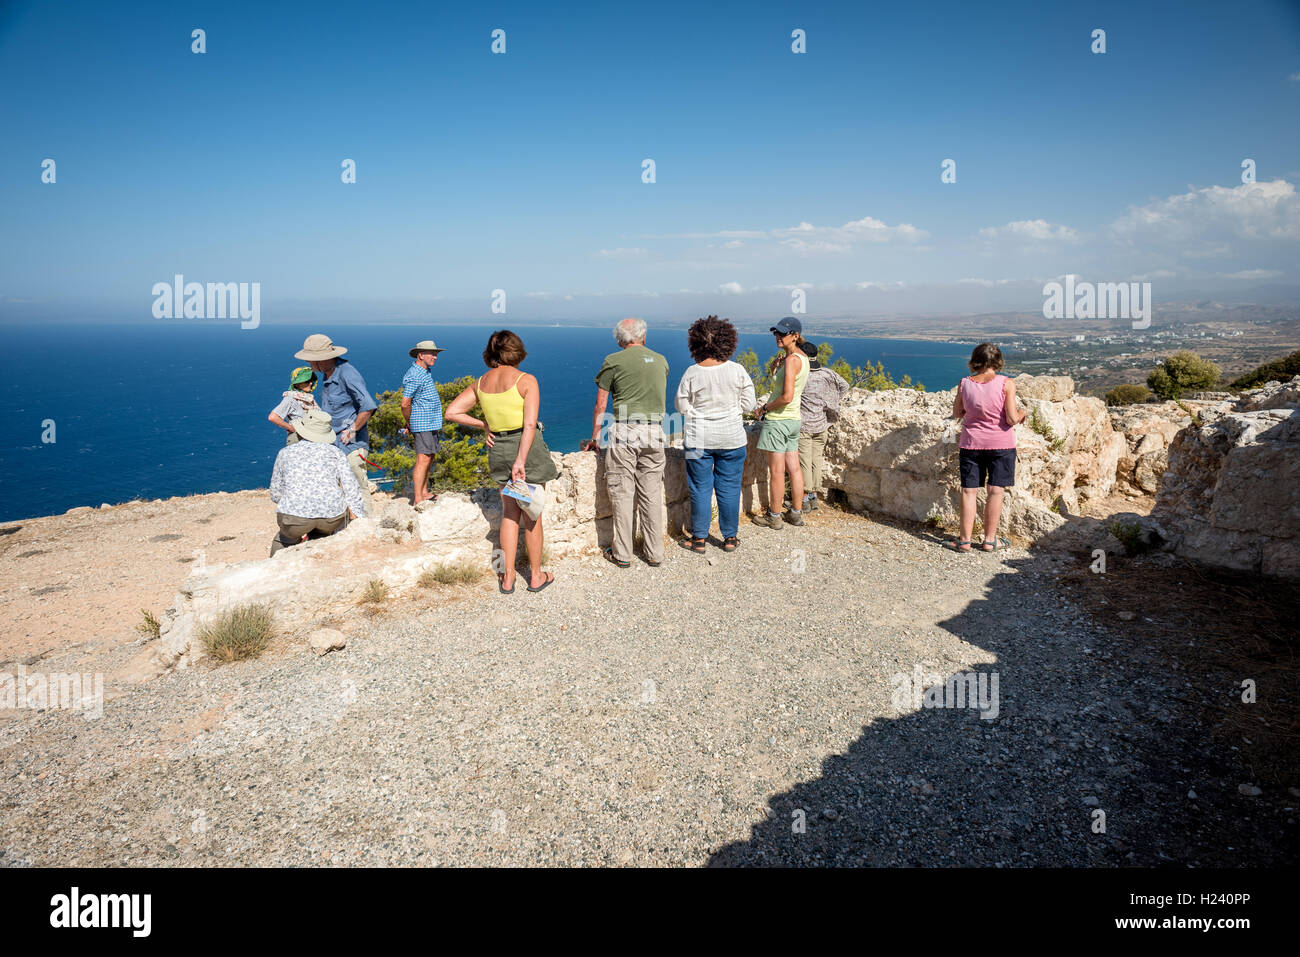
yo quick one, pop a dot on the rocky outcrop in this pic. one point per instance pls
(1230, 496)
(895, 452)
(1148, 430)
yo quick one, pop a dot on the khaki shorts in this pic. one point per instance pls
(779, 435)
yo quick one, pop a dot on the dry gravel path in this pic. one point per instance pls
(685, 715)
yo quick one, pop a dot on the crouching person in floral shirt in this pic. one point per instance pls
(312, 484)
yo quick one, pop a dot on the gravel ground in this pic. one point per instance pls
(729, 710)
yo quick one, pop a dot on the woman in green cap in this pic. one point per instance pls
(296, 401)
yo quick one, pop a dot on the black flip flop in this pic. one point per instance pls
(549, 578)
(501, 583)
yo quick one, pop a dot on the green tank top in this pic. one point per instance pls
(790, 411)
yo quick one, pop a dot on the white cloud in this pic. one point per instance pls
(990, 283)
(622, 253)
(1254, 274)
(1202, 221)
(731, 289)
(1036, 230)
(1294, 78)
(808, 238)
(870, 284)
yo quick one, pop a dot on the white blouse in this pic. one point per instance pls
(711, 400)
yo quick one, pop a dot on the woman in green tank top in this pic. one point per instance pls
(780, 417)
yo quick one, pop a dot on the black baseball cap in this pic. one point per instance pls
(788, 325)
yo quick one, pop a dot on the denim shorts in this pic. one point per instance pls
(779, 435)
(996, 466)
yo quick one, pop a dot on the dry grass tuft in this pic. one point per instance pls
(238, 633)
(464, 572)
(376, 593)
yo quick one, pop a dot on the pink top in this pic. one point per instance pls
(985, 425)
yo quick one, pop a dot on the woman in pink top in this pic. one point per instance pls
(986, 404)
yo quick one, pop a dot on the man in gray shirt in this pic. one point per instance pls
(818, 409)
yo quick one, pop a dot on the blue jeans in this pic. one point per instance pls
(717, 472)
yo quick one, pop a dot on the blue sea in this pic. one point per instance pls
(163, 408)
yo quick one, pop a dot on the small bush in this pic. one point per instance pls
(376, 593)
(1127, 395)
(1130, 536)
(1183, 372)
(150, 627)
(1279, 370)
(452, 573)
(238, 633)
(1038, 424)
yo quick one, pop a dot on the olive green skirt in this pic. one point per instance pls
(538, 467)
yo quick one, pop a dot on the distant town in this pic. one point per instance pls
(1100, 354)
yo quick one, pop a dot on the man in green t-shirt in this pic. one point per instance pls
(635, 381)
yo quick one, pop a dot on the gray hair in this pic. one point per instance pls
(629, 331)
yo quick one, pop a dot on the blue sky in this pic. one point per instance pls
(523, 171)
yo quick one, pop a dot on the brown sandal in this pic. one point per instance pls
(730, 544)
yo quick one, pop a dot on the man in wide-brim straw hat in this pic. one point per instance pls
(422, 410)
(343, 394)
(312, 484)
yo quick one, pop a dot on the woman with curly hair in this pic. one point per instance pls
(712, 396)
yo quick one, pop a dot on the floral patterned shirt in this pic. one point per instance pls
(314, 480)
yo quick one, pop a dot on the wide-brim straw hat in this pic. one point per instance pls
(318, 348)
(425, 345)
(315, 426)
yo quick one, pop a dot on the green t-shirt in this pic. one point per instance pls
(636, 379)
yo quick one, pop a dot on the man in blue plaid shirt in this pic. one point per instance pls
(422, 410)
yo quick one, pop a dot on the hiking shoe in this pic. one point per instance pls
(794, 517)
(768, 520)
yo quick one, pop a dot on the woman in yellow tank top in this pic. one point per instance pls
(509, 400)
(780, 417)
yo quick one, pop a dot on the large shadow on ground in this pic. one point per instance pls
(1089, 720)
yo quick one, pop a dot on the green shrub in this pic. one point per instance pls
(1279, 370)
(1038, 424)
(1130, 536)
(150, 627)
(873, 378)
(376, 593)
(238, 633)
(1127, 395)
(1183, 372)
(461, 463)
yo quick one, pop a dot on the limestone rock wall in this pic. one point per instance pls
(1230, 496)
(896, 452)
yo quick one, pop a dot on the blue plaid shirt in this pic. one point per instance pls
(426, 406)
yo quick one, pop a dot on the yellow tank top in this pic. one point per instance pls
(503, 411)
(792, 410)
